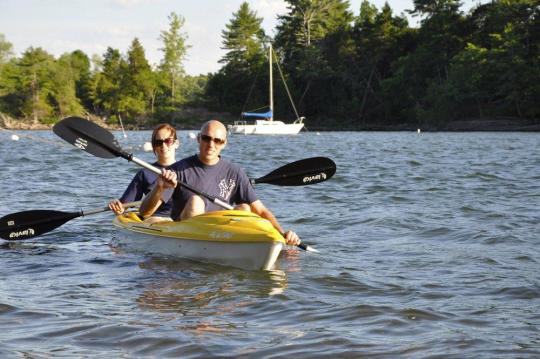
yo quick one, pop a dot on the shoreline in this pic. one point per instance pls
(467, 125)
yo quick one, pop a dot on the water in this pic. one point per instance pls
(430, 248)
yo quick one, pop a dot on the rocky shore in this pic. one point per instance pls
(484, 124)
(468, 125)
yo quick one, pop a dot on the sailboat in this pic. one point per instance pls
(264, 123)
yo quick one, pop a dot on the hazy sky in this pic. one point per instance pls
(60, 26)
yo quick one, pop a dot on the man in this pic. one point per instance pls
(209, 173)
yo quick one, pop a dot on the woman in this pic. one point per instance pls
(164, 144)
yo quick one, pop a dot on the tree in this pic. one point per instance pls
(137, 82)
(6, 50)
(311, 37)
(380, 39)
(80, 65)
(243, 39)
(174, 53)
(6, 74)
(35, 85)
(107, 83)
(497, 73)
(63, 96)
(443, 34)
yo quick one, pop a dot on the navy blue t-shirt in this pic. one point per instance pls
(140, 185)
(224, 180)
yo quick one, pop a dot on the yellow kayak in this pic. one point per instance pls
(234, 238)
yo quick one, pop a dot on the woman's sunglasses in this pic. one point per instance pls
(168, 141)
(216, 140)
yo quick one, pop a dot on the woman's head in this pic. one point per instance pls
(163, 138)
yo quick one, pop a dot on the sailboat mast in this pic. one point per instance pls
(271, 84)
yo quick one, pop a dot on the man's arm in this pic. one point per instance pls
(259, 208)
(153, 200)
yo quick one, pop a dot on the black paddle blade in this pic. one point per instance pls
(28, 224)
(89, 137)
(300, 173)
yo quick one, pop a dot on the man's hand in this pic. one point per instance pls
(168, 179)
(291, 238)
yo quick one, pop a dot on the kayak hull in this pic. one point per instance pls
(232, 238)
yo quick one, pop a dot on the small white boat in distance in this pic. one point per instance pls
(264, 123)
(266, 127)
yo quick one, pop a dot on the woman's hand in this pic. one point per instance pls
(116, 206)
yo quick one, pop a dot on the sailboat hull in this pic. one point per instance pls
(265, 127)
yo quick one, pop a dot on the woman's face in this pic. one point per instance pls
(166, 144)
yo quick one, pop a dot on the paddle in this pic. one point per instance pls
(28, 224)
(99, 142)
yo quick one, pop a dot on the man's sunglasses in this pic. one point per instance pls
(216, 140)
(168, 141)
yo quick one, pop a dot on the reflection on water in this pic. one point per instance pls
(186, 292)
(292, 259)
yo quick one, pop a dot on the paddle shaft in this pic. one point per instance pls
(105, 209)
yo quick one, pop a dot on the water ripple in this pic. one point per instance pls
(429, 248)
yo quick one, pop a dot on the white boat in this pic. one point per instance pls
(266, 127)
(232, 238)
(266, 124)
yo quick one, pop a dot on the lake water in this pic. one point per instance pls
(429, 248)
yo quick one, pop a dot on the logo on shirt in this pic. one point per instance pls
(226, 187)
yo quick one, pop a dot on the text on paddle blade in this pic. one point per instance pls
(315, 178)
(29, 232)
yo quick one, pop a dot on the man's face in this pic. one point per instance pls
(212, 140)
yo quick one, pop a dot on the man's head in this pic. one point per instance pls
(212, 139)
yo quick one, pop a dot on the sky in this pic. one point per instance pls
(60, 26)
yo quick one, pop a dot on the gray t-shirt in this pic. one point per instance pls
(224, 180)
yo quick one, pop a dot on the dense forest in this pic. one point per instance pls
(343, 71)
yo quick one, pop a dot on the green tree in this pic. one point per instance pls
(35, 84)
(312, 37)
(137, 84)
(442, 35)
(107, 83)
(64, 78)
(80, 65)
(6, 74)
(6, 50)
(380, 39)
(497, 73)
(11, 99)
(174, 53)
(243, 40)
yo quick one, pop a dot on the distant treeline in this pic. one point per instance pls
(341, 69)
